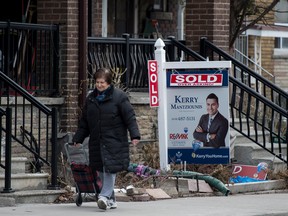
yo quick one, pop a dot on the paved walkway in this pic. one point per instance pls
(274, 204)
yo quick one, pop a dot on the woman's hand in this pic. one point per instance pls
(135, 141)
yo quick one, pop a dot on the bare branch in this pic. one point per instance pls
(241, 10)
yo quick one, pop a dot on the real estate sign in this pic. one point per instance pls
(187, 93)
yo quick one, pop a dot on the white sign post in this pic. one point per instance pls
(162, 110)
(181, 84)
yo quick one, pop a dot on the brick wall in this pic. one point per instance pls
(221, 22)
(96, 18)
(65, 13)
(267, 43)
(267, 49)
(169, 27)
(280, 71)
(207, 18)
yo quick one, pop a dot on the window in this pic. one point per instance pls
(281, 43)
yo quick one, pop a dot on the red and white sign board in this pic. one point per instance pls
(196, 79)
(247, 170)
(153, 83)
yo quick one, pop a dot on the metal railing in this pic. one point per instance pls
(258, 103)
(31, 124)
(129, 56)
(254, 65)
(29, 64)
(29, 56)
(245, 74)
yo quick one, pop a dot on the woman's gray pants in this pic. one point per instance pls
(108, 182)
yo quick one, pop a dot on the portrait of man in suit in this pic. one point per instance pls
(213, 126)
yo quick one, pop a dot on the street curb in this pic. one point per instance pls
(257, 186)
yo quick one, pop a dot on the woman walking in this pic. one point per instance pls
(107, 118)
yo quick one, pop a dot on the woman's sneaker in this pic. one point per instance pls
(102, 203)
(112, 204)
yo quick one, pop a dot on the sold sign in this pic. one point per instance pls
(153, 83)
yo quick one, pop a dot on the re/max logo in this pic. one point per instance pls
(175, 136)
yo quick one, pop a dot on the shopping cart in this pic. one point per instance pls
(86, 179)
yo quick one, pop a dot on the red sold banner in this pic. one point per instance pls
(153, 83)
(196, 80)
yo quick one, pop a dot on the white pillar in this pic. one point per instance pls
(136, 20)
(162, 109)
(104, 18)
(180, 19)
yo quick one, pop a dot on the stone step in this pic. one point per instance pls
(26, 181)
(255, 150)
(29, 196)
(275, 164)
(17, 165)
(242, 139)
(253, 154)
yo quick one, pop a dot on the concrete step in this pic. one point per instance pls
(26, 181)
(255, 150)
(17, 165)
(29, 196)
(253, 154)
(242, 139)
(248, 153)
(276, 164)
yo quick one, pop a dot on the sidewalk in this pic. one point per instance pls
(273, 204)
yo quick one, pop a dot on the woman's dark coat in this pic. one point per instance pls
(107, 123)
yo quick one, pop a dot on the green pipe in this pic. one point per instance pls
(207, 178)
(146, 171)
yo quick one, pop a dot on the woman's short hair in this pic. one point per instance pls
(105, 74)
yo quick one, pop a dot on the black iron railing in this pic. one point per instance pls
(29, 64)
(128, 56)
(245, 74)
(31, 124)
(29, 56)
(258, 104)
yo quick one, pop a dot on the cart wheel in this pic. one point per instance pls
(79, 200)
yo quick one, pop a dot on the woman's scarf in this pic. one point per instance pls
(101, 95)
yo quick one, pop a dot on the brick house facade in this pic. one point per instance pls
(261, 49)
(209, 18)
(65, 13)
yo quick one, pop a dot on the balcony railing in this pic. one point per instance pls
(29, 56)
(129, 56)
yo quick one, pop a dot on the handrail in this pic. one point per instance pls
(27, 124)
(260, 97)
(260, 80)
(25, 93)
(268, 123)
(46, 120)
(26, 26)
(186, 50)
(257, 65)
